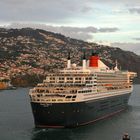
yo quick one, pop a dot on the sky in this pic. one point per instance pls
(109, 22)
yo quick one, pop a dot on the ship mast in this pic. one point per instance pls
(69, 61)
(84, 61)
(116, 67)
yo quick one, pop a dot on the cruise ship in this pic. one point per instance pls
(79, 95)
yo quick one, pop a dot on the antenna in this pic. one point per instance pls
(84, 55)
(69, 61)
(69, 55)
(116, 67)
(84, 61)
(116, 62)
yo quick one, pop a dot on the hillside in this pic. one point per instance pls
(26, 55)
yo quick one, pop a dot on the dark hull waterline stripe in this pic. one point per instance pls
(82, 124)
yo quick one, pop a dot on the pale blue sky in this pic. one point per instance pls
(107, 21)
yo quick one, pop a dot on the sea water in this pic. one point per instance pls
(16, 121)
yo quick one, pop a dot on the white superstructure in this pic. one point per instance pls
(91, 81)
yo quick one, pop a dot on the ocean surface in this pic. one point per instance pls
(16, 121)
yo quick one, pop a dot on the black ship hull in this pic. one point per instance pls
(60, 115)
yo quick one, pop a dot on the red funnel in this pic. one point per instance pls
(93, 62)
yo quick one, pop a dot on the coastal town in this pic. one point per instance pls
(22, 59)
(27, 55)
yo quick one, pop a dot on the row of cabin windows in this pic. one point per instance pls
(52, 78)
(78, 81)
(114, 78)
(61, 78)
(105, 81)
(68, 96)
(53, 96)
(90, 78)
(108, 75)
(70, 78)
(75, 82)
(51, 100)
(85, 91)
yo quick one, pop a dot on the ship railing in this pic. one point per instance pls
(108, 94)
(54, 92)
(66, 84)
(54, 98)
(113, 90)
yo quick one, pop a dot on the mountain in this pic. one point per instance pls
(27, 55)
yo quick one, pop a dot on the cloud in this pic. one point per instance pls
(86, 9)
(89, 29)
(134, 10)
(83, 33)
(138, 39)
(134, 47)
(57, 11)
(63, 12)
(86, 19)
(108, 29)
